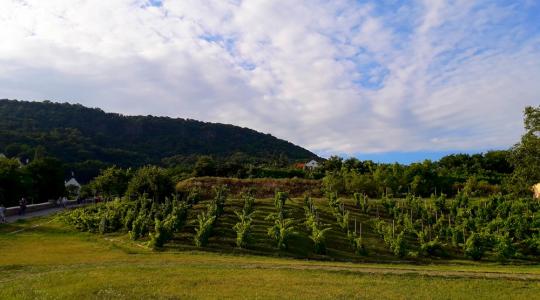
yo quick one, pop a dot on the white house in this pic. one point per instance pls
(312, 164)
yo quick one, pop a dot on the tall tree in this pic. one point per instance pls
(47, 176)
(525, 156)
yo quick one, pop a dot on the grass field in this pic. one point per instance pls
(47, 260)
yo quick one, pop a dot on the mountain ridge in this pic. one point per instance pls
(76, 133)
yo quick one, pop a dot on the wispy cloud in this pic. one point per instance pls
(334, 76)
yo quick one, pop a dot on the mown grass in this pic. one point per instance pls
(52, 261)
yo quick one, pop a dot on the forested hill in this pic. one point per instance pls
(74, 133)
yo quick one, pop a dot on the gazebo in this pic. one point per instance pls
(73, 186)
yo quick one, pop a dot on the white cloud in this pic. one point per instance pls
(334, 76)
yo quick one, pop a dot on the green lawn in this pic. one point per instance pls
(52, 261)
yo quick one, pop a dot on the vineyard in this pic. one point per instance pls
(498, 228)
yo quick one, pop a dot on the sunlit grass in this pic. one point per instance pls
(54, 262)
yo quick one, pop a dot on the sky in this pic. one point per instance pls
(388, 80)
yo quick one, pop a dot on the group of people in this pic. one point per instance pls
(3, 210)
(62, 201)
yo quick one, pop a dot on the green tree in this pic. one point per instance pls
(205, 166)
(151, 181)
(47, 176)
(474, 246)
(112, 182)
(525, 156)
(11, 181)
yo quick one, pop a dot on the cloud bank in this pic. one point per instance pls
(337, 76)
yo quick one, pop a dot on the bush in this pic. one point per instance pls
(357, 243)
(504, 249)
(474, 246)
(398, 245)
(242, 229)
(162, 233)
(204, 230)
(433, 248)
(178, 216)
(281, 231)
(279, 200)
(220, 198)
(318, 236)
(139, 227)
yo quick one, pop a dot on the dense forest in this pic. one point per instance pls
(87, 139)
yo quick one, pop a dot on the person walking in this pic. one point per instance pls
(64, 202)
(2, 213)
(22, 206)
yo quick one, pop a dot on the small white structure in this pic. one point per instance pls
(312, 164)
(73, 185)
(2, 155)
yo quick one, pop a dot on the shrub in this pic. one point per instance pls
(281, 231)
(433, 248)
(357, 243)
(361, 201)
(398, 246)
(242, 229)
(318, 236)
(249, 202)
(162, 233)
(129, 218)
(139, 227)
(279, 200)
(504, 249)
(310, 212)
(220, 199)
(474, 246)
(193, 196)
(204, 229)
(178, 215)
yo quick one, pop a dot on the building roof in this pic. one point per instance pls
(72, 181)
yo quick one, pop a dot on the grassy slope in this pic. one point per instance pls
(53, 261)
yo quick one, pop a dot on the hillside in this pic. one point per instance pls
(74, 133)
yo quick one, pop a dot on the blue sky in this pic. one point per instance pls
(385, 80)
